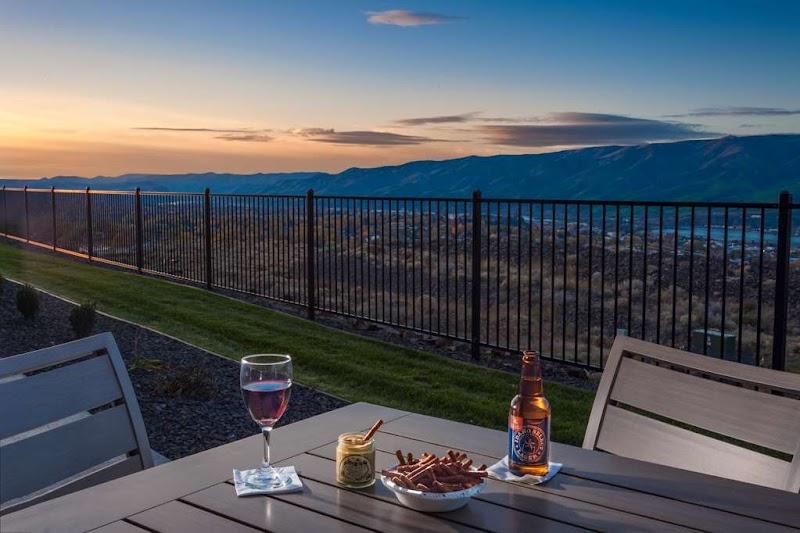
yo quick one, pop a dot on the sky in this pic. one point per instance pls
(92, 87)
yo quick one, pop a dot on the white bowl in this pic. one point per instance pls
(432, 502)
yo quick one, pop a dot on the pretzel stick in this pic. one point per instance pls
(476, 473)
(416, 475)
(374, 429)
(399, 455)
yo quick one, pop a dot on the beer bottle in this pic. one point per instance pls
(529, 422)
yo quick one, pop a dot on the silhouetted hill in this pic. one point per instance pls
(730, 168)
(230, 183)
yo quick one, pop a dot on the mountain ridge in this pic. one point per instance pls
(749, 168)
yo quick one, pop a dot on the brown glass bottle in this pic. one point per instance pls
(529, 422)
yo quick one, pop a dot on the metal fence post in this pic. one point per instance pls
(5, 212)
(311, 276)
(476, 276)
(782, 281)
(138, 228)
(53, 214)
(27, 218)
(89, 236)
(207, 230)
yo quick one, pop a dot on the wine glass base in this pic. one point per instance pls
(265, 478)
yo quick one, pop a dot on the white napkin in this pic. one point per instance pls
(500, 471)
(288, 472)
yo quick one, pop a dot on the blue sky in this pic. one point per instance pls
(94, 87)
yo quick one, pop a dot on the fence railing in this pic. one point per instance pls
(560, 276)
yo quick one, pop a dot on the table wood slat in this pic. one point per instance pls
(178, 517)
(613, 497)
(266, 512)
(539, 504)
(763, 503)
(478, 513)
(119, 527)
(112, 501)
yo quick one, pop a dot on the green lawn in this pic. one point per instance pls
(349, 366)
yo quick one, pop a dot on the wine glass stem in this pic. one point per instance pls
(266, 432)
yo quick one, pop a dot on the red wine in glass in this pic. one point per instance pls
(267, 400)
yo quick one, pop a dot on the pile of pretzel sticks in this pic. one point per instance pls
(430, 473)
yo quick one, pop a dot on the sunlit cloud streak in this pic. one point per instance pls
(585, 129)
(369, 138)
(738, 112)
(246, 137)
(310, 132)
(509, 120)
(440, 119)
(197, 130)
(401, 17)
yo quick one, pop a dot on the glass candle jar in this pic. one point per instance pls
(355, 461)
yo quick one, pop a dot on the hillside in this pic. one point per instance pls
(730, 168)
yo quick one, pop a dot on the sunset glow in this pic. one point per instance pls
(91, 88)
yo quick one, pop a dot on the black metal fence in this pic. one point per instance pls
(563, 277)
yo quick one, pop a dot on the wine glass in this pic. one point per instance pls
(266, 381)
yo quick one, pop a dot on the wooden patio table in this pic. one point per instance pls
(594, 491)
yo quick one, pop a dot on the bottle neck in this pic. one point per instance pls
(530, 381)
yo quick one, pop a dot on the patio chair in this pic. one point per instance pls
(684, 410)
(69, 419)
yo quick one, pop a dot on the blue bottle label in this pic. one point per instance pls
(528, 444)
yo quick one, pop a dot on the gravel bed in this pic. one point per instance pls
(190, 398)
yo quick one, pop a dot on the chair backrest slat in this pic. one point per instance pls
(662, 405)
(51, 456)
(62, 353)
(670, 445)
(68, 417)
(764, 419)
(53, 395)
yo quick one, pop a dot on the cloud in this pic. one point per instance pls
(584, 129)
(510, 120)
(196, 130)
(245, 137)
(311, 132)
(400, 17)
(441, 119)
(369, 138)
(738, 112)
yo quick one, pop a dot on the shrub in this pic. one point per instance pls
(145, 364)
(27, 301)
(189, 382)
(82, 319)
